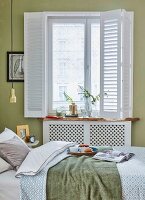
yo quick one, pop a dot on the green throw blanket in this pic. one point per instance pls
(83, 178)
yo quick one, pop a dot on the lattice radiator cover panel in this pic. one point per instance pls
(67, 132)
(113, 135)
(93, 133)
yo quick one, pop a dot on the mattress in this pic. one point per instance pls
(132, 174)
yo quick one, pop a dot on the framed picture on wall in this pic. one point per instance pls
(23, 132)
(15, 66)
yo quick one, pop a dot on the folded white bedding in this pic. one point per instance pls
(39, 157)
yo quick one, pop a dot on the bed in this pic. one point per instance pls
(132, 175)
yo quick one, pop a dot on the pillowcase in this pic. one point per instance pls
(12, 148)
(6, 135)
(4, 166)
(9, 134)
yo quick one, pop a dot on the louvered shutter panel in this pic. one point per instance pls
(110, 102)
(34, 66)
(127, 64)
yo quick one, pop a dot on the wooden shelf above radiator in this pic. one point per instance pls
(132, 119)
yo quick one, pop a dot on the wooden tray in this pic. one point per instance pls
(83, 154)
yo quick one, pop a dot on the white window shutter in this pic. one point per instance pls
(34, 65)
(127, 64)
(110, 102)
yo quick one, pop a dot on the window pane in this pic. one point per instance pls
(95, 60)
(67, 62)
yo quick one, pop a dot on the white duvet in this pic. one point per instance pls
(38, 158)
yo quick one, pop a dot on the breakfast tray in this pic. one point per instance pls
(83, 153)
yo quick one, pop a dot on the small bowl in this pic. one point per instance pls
(94, 149)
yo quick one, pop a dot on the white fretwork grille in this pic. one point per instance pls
(110, 135)
(67, 132)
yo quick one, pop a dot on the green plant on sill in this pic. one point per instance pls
(68, 98)
(87, 94)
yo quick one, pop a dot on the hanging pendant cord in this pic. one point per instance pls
(12, 40)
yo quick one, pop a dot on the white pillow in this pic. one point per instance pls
(8, 134)
(4, 166)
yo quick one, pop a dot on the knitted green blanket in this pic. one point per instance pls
(83, 178)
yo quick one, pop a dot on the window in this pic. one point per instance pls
(65, 50)
(75, 46)
(67, 45)
(61, 90)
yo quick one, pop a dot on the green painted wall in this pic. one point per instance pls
(12, 114)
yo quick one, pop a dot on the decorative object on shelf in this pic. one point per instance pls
(60, 111)
(12, 92)
(34, 144)
(87, 94)
(89, 101)
(95, 109)
(27, 139)
(72, 107)
(68, 98)
(69, 115)
(88, 106)
(32, 138)
(15, 67)
(53, 117)
(82, 112)
(23, 132)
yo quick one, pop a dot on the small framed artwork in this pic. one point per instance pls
(15, 66)
(23, 132)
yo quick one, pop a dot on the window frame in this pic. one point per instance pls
(35, 46)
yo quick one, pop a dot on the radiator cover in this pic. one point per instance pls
(93, 133)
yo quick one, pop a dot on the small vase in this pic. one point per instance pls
(95, 110)
(88, 107)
